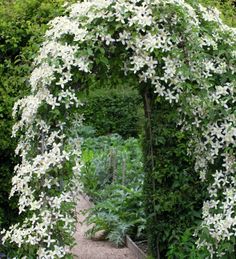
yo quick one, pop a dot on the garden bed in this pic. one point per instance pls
(138, 248)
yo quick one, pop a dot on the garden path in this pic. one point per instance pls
(90, 249)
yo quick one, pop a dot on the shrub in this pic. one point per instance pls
(173, 192)
(114, 111)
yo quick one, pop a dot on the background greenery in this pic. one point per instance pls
(114, 111)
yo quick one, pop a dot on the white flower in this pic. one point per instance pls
(49, 241)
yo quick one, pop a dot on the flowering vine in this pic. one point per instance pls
(180, 48)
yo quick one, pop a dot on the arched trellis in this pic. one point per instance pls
(178, 48)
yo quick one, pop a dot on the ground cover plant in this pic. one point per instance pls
(181, 56)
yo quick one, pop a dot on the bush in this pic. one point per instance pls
(114, 111)
(185, 247)
(173, 192)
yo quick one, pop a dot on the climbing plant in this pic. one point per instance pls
(22, 26)
(182, 54)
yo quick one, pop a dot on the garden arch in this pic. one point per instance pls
(180, 50)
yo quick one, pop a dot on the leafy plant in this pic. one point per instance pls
(119, 212)
(110, 159)
(184, 247)
(112, 176)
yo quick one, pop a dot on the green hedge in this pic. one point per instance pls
(114, 111)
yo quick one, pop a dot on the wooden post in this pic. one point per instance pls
(123, 171)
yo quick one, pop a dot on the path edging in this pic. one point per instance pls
(134, 248)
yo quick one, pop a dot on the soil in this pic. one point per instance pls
(142, 245)
(94, 249)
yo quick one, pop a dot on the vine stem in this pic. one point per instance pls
(148, 113)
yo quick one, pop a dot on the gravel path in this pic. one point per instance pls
(89, 249)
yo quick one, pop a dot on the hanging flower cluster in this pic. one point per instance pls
(185, 52)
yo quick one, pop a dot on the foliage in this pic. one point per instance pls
(112, 176)
(184, 247)
(177, 192)
(179, 50)
(227, 8)
(119, 212)
(114, 111)
(109, 159)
